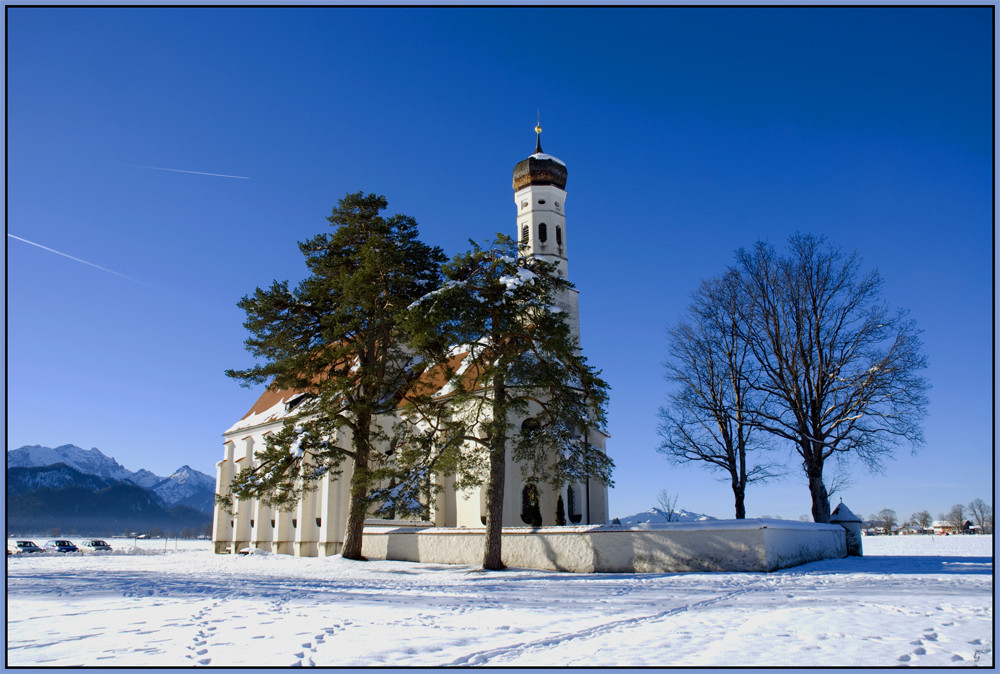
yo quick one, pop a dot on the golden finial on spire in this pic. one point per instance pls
(538, 130)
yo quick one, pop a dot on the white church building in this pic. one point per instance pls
(315, 527)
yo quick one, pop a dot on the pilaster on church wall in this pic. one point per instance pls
(222, 528)
(242, 512)
(263, 531)
(284, 533)
(344, 493)
(446, 507)
(307, 529)
(469, 507)
(512, 485)
(332, 514)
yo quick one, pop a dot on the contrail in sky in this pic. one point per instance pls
(76, 259)
(199, 173)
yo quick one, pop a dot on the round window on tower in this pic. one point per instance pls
(541, 201)
(542, 232)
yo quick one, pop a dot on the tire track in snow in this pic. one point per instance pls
(485, 657)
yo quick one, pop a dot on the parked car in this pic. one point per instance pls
(94, 545)
(24, 547)
(61, 546)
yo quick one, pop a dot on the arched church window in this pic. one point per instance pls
(530, 425)
(524, 234)
(542, 232)
(558, 235)
(531, 512)
(574, 515)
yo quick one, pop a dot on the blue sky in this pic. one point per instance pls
(687, 132)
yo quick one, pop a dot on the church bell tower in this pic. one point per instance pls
(540, 195)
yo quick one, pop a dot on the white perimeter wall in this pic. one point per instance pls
(737, 545)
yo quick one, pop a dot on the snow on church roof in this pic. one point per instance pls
(273, 405)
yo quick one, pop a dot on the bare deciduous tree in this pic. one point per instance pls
(982, 514)
(886, 519)
(956, 516)
(922, 519)
(713, 408)
(839, 368)
(668, 504)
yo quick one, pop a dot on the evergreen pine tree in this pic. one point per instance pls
(560, 512)
(516, 356)
(337, 339)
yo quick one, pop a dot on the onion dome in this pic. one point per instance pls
(539, 168)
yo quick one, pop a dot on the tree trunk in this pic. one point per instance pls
(740, 481)
(358, 507)
(739, 491)
(492, 553)
(820, 499)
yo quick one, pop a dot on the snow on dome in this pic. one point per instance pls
(542, 155)
(539, 169)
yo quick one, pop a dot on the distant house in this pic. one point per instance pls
(913, 530)
(949, 529)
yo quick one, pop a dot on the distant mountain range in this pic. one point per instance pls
(658, 516)
(84, 490)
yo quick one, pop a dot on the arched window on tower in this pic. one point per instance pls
(531, 513)
(524, 234)
(543, 233)
(558, 235)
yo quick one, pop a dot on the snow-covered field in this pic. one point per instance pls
(922, 601)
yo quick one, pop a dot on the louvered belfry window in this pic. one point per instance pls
(543, 233)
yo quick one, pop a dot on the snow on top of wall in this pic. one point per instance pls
(699, 525)
(756, 523)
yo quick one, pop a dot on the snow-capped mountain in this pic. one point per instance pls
(185, 486)
(658, 516)
(88, 461)
(145, 478)
(56, 476)
(189, 487)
